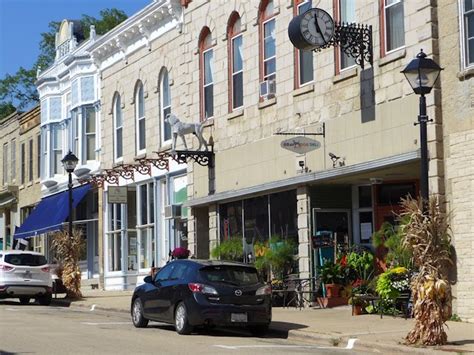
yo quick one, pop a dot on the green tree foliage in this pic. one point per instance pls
(19, 90)
(6, 109)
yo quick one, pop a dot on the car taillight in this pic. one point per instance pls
(45, 269)
(200, 288)
(6, 267)
(265, 290)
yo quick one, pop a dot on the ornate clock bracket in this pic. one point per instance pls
(355, 40)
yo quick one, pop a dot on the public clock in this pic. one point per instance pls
(311, 30)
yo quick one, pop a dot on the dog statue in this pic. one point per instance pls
(179, 128)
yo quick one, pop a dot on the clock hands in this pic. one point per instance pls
(318, 29)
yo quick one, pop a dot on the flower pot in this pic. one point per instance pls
(357, 310)
(332, 290)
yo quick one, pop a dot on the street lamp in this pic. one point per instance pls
(422, 74)
(69, 163)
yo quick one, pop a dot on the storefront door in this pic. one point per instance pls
(329, 224)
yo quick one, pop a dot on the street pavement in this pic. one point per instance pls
(71, 330)
(327, 327)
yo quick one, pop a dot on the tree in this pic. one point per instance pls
(19, 90)
(6, 109)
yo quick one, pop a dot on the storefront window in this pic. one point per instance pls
(131, 229)
(230, 215)
(145, 227)
(114, 238)
(180, 195)
(283, 216)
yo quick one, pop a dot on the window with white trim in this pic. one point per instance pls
(346, 14)
(467, 30)
(165, 105)
(23, 163)
(207, 74)
(146, 224)
(304, 57)
(236, 96)
(394, 25)
(140, 128)
(89, 132)
(114, 237)
(118, 128)
(267, 41)
(56, 149)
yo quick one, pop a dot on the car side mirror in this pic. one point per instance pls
(148, 279)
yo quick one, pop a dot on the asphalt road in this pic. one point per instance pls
(35, 329)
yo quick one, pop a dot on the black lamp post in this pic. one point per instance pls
(69, 163)
(422, 74)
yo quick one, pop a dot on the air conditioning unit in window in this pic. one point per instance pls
(172, 211)
(268, 88)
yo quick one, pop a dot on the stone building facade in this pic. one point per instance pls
(456, 55)
(232, 67)
(139, 63)
(21, 190)
(9, 217)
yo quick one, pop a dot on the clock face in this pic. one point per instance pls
(317, 27)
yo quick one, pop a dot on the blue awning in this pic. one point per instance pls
(50, 213)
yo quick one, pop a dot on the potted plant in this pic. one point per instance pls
(180, 253)
(331, 277)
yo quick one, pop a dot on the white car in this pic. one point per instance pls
(25, 275)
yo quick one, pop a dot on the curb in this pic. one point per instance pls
(328, 339)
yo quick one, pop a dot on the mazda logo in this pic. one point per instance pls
(238, 292)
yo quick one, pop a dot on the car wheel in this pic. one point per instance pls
(181, 320)
(45, 300)
(139, 321)
(259, 330)
(24, 300)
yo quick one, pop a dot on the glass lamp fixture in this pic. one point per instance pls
(422, 73)
(69, 162)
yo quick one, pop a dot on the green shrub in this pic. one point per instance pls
(230, 249)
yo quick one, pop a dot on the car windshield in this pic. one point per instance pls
(233, 275)
(26, 259)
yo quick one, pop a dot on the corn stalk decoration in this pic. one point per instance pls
(68, 250)
(429, 236)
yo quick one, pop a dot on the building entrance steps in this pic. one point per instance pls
(331, 325)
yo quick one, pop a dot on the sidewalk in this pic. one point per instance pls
(332, 326)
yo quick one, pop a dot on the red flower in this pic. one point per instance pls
(343, 260)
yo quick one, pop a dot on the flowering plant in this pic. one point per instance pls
(180, 253)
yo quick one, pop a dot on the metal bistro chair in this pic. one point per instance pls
(290, 290)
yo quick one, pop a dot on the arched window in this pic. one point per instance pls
(165, 105)
(206, 68)
(118, 128)
(267, 42)
(236, 83)
(303, 58)
(140, 128)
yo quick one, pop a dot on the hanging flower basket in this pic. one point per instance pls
(180, 253)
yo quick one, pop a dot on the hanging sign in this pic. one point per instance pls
(300, 144)
(117, 194)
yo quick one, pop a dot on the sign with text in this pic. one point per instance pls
(300, 144)
(117, 194)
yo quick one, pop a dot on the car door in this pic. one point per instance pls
(174, 290)
(153, 301)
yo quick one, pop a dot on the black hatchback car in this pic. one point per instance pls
(189, 293)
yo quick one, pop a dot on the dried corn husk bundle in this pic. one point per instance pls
(68, 252)
(428, 235)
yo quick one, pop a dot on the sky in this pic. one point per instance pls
(22, 22)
